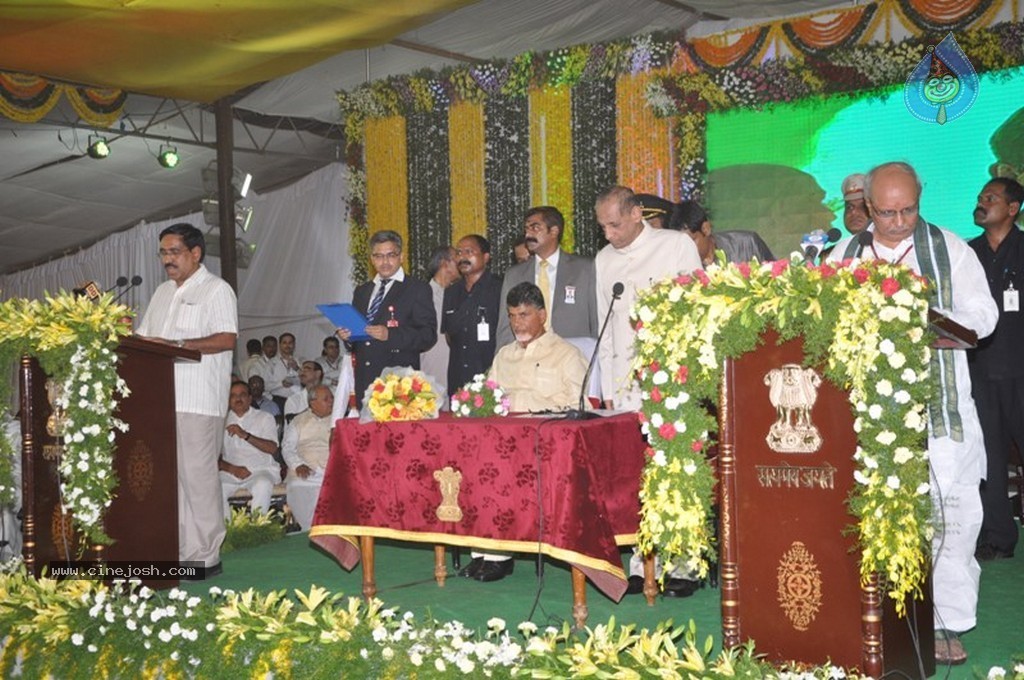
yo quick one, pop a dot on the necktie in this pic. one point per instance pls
(544, 283)
(371, 313)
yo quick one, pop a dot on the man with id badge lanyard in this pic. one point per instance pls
(997, 374)
(470, 316)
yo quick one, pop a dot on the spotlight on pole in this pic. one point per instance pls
(168, 156)
(98, 147)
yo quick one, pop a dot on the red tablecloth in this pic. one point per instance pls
(586, 474)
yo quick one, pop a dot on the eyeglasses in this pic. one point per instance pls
(393, 255)
(905, 213)
(173, 252)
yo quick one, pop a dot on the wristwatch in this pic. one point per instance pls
(180, 343)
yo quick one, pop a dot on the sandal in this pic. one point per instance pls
(949, 651)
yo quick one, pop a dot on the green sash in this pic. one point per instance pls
(933, 260)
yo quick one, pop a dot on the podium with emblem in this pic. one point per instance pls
(143, 518)
(789, 568)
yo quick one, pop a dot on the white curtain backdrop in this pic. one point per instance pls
(301, 259)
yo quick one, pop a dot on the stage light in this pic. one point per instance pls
(98, 147)
(168, 156)
(240, 180)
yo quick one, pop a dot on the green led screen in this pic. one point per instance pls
(779, 171)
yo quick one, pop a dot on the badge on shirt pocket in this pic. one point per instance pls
(392, 321)
(570, 295)
(1011, 299)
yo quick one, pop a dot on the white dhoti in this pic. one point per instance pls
(303, 495)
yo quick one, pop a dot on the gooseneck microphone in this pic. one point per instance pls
(136, 280)
(582, 413)
(865, 239)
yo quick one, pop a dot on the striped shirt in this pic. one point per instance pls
(202, 306)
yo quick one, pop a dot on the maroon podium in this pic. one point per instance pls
(143, 518)
(790, 577)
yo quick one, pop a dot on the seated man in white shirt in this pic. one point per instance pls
(310, 375)
(540, 372)
(306, 447)
(247, 456)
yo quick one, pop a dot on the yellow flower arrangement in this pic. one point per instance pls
(400, 394)
(74, 340)
(866, 325)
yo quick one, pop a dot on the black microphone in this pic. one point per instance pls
(136, 280)
(582, 413)
(865, 239)
(833, 235)
(121, 282)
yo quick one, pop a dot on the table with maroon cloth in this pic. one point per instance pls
(380, 482)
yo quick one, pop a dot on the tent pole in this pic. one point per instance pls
(226, 192)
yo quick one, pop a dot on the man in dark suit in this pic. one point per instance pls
(570, 279)
(400, 312)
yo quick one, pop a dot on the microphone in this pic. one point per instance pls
(88, 289)
(865, 238)
(121, 282)
(582, 413)
(136, 280)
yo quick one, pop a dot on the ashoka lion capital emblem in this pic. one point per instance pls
(792, 390)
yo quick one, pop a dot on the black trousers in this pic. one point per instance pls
(1001, 412)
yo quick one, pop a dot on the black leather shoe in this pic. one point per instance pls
(681, 587)
(494, 571)
(636, 585)
(987, 552)
(471, 569)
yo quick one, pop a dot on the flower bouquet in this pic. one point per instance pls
(399, 394)
(480, 398)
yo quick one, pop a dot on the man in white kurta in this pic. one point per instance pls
(636, 256)
(247, 458)
(956, 450)
(306, 447)
(196, 310)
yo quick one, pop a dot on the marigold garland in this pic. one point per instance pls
(467, 152)
(551, 158)
(867, 325)
(387, 182)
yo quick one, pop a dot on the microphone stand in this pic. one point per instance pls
(582, 413)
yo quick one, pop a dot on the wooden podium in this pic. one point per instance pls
(789, 573)
(143, 518)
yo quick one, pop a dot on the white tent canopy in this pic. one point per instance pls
(54, 199)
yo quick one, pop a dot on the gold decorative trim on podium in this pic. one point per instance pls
(799, 585)
(55, 421)
(140, 471)
(792, 390)
(450, 481)
(63, 532)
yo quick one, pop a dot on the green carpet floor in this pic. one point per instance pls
(405, 581)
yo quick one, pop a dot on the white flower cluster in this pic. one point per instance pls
(89, 398)
(450, 644)
(140, 613)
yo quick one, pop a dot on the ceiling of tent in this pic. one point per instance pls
(279, 61)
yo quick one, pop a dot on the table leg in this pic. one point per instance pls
(369, 582)
(579, 598)
(650, 586)
(440, 567)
